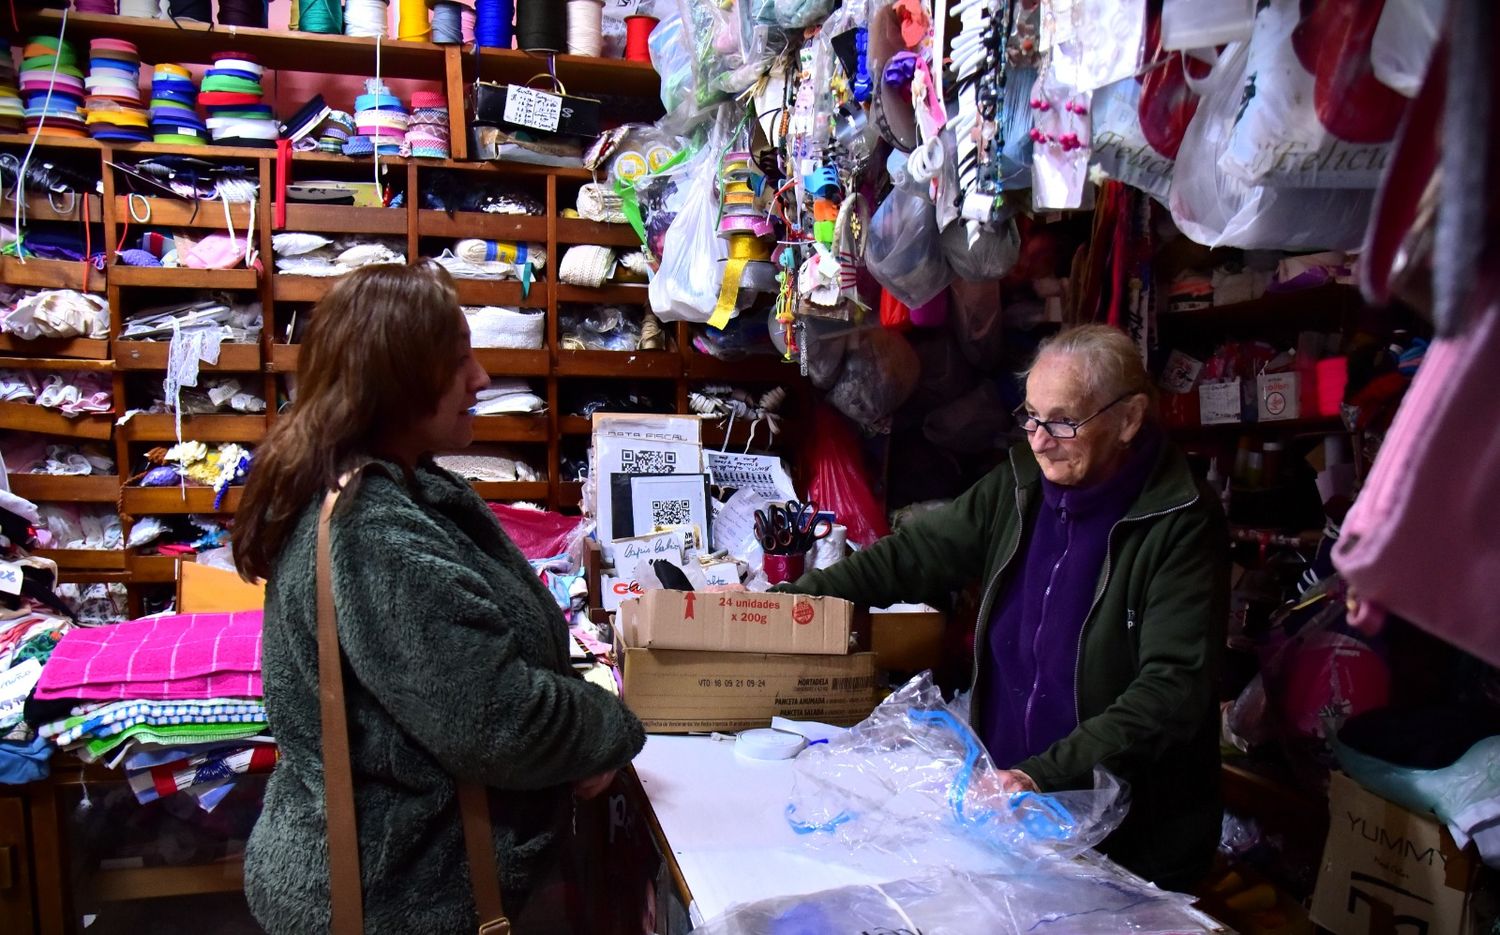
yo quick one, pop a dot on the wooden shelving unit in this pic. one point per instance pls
(86, 559)
(162, 278)
(80, 348)
(51, 274)
(344, 219)
(97, 488)
(152, 355)
(165, 211)
(24, 417)
(143, 501)
(161, 427)
(528, 429)
(475, 224)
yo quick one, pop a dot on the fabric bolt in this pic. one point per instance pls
(185, 656)
(102, 721)
(168, 779)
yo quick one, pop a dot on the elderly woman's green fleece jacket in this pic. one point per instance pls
(1148, 655)
(456, 665)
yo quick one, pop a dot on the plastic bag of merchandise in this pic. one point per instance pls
(912, 780)
(977, 321)
(880, 373)
(838, 478)
(686, 284)
(1318, 116)
(672, 59)
(979, 253)
(1219, 210)
(790, 14)
(728, 52)
(1082, 899)
(904, 248)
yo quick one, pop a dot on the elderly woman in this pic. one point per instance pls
(1104, 568)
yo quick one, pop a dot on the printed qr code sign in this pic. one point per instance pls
(648, 461)
(671, 512)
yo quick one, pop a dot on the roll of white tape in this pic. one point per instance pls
(768, 743)
(832, 549)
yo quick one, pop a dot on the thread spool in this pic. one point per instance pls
(411, 21)
(447, 22)
(492, 23)
(638, 29)
(242, 13)
(466, 21)
(324, 17)
(585, 27)
(141, 9)
(368, 19)
(105, 7)
(198, 10)
(541, 26)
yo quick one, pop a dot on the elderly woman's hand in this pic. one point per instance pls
(592, 786)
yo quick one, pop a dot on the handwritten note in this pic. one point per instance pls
(734, 524)
(763, 474)
(667, 545)
(528, 107)
(10, 578)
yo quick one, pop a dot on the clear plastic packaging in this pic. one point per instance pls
(1078, 899)
(912, 780)
(904, 249)
(981, 253)
(686, 286)
(1203, 24)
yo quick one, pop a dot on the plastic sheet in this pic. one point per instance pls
(913, 780)
(1078, 900)
(838, 479)
(541, 534)
(880, 373)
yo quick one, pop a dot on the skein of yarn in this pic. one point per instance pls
(585, 27)
(325, 17)
(541, 25)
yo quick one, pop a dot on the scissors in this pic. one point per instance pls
(790, 529)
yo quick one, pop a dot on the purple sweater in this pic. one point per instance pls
(1035, 631)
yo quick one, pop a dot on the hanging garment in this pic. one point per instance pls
(1423, 539)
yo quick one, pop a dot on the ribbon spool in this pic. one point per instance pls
(638, 29)
(768, 743)
(411, 21)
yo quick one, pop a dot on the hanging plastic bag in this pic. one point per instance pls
(672, 60)
(1219, 210)
(1205, 24)
(981, 253)
(838, 478)
(1403, 43)
(1318, 117)
(904, 249)
(912, 780)
(880, 373)
(977, 322)
(686, 285)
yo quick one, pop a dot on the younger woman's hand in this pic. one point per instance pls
(589, 788)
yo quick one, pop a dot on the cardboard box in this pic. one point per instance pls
(677, 691)
(1387, 869)
(202, 589)
(740, 621)
(1276, 396)
(907, 637)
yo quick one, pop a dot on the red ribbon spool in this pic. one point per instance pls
(638, 36)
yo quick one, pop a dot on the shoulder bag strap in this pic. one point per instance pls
(346, 899)
(346, 905)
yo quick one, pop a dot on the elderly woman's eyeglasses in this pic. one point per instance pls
(1063, 428)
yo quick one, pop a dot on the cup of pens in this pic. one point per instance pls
(787, 533)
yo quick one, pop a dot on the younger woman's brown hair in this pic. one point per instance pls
(377, 356)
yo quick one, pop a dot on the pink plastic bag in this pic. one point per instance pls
(537, 533)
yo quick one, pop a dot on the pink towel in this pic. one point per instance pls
(179, 657)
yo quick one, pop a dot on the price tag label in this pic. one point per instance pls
(15, 684)
(619, 9)
(10, 578)
(527, 107)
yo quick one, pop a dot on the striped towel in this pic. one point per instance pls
(213, 768)
(185, 656)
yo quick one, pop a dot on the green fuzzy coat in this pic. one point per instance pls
(1148, 660)
(456, 664)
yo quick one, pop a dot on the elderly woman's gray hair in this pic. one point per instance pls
(1112, 364)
